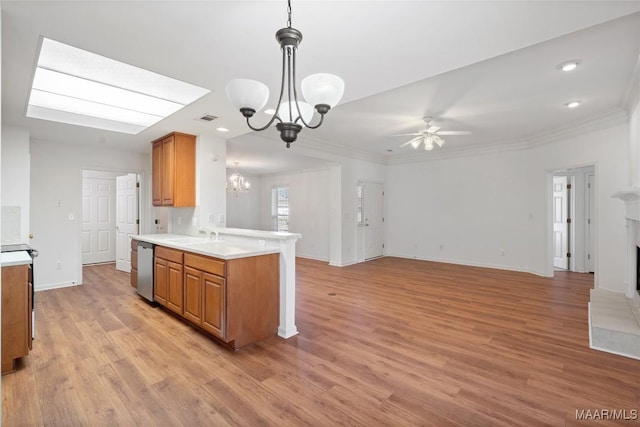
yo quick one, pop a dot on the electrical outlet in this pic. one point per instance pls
(58, 265)
(212, 217)
(72, 217)
(221, 218)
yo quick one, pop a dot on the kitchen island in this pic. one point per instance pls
(238, 286)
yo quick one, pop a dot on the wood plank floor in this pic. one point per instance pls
(388, 342)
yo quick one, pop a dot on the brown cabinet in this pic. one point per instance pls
(206, 284)
(168, 280)
(16, 315)
(174, 170)
(236, 301)
(134, 263)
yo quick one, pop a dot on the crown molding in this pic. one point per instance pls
(608, 119)
(613, 117)
(454, 153)
(340, 150)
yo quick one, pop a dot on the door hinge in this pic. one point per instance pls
(568, 220)
(383, 246)
(589, 185)
(137, 222)
(589, 221)
(588, 256)
(137, 185)
(568, 254)
(568, 186)
(382, 219)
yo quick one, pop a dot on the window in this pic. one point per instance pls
(280, 209)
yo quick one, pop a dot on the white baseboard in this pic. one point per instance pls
(313, 257)
(344, 264)
(49, 286)
(467, 263)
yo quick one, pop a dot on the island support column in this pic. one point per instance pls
(287, 327)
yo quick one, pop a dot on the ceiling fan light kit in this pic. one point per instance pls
(429, 136)
(322, 91)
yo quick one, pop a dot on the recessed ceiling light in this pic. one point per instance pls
(73, 86)
(573, 104)
(569, 65)
(222, 129)
(270, 111)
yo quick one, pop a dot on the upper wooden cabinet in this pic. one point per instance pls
(174, 170)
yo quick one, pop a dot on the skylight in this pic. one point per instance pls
(74, 86)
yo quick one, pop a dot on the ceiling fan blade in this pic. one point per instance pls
(411, 141)
(438, 141)
(407, 134)
(455, 132)
(433, 129)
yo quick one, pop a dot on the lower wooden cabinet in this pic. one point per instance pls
(168, 281)
(175, 291)
(134, 263)
(160, 280)
(213, 310)
(193, 295)
(236, 301)
(16, 315)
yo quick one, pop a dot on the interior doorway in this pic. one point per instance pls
(110, 215)
(573, 219)
(371, 219)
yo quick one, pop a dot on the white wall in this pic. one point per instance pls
(243, 210)
(211, 198)
(470, 210)
(477, 207)
(607, 149)
(308, 209)
(56, 192)
(15, 185)
(634, 147)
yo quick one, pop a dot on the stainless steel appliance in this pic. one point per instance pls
(33, 254)
(145, 270)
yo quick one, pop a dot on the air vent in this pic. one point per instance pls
(208, 118)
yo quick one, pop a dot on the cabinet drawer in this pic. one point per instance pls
(206, 264)
(134, 245)
(168, 254)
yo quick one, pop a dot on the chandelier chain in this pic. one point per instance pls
(289, 13)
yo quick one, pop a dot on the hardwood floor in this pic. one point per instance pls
(388, 342)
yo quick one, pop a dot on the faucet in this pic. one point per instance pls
(217, 235)
(206, 231)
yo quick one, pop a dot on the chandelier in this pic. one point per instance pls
(321, 91)
(237, 183)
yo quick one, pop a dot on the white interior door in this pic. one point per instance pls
(560, 226)
(98, 220)
(127, 218)
(373, 213)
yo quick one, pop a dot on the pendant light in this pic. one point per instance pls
(321, 91)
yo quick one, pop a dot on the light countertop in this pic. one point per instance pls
(207, 246)
(8, 259)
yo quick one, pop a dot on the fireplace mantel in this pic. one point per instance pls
(631, 198)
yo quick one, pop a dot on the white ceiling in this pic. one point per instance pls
(484, 66)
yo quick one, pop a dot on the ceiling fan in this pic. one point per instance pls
(430, 136)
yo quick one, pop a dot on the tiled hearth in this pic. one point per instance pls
(614, 318)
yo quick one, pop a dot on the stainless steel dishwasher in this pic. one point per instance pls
(145, 270)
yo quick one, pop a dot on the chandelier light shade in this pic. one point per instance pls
(321, 91)
(237, 183)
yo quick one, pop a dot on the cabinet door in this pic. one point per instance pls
(160, 281)
(174, 287)
(168, 170)
(193, 295)
(213, 305)
(157, 174)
